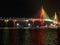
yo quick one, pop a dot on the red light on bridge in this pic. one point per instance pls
(40, 20)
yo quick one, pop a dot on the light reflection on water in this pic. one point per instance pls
(27, 36)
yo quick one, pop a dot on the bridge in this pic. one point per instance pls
(28, 23)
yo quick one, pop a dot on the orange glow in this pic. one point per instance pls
(40, 13)
(14, 20)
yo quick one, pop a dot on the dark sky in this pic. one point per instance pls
(27, 8)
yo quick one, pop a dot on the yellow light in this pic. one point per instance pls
(56, 17)
(52, 26)
(26, 20)
(6, 20)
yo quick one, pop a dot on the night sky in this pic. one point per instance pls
(28, 8)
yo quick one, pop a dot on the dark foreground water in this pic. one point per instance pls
(37, 36)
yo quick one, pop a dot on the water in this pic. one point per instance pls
(37, 36)
(51, 36)
(27, 36)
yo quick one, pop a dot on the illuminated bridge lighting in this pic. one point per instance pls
(42, 14)
(14, 20)
(6, 20)
(56, 18)
(33, 20)
(18, 24)
(41, 19)
(29, 23)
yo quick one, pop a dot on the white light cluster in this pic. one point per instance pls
(6, 20)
